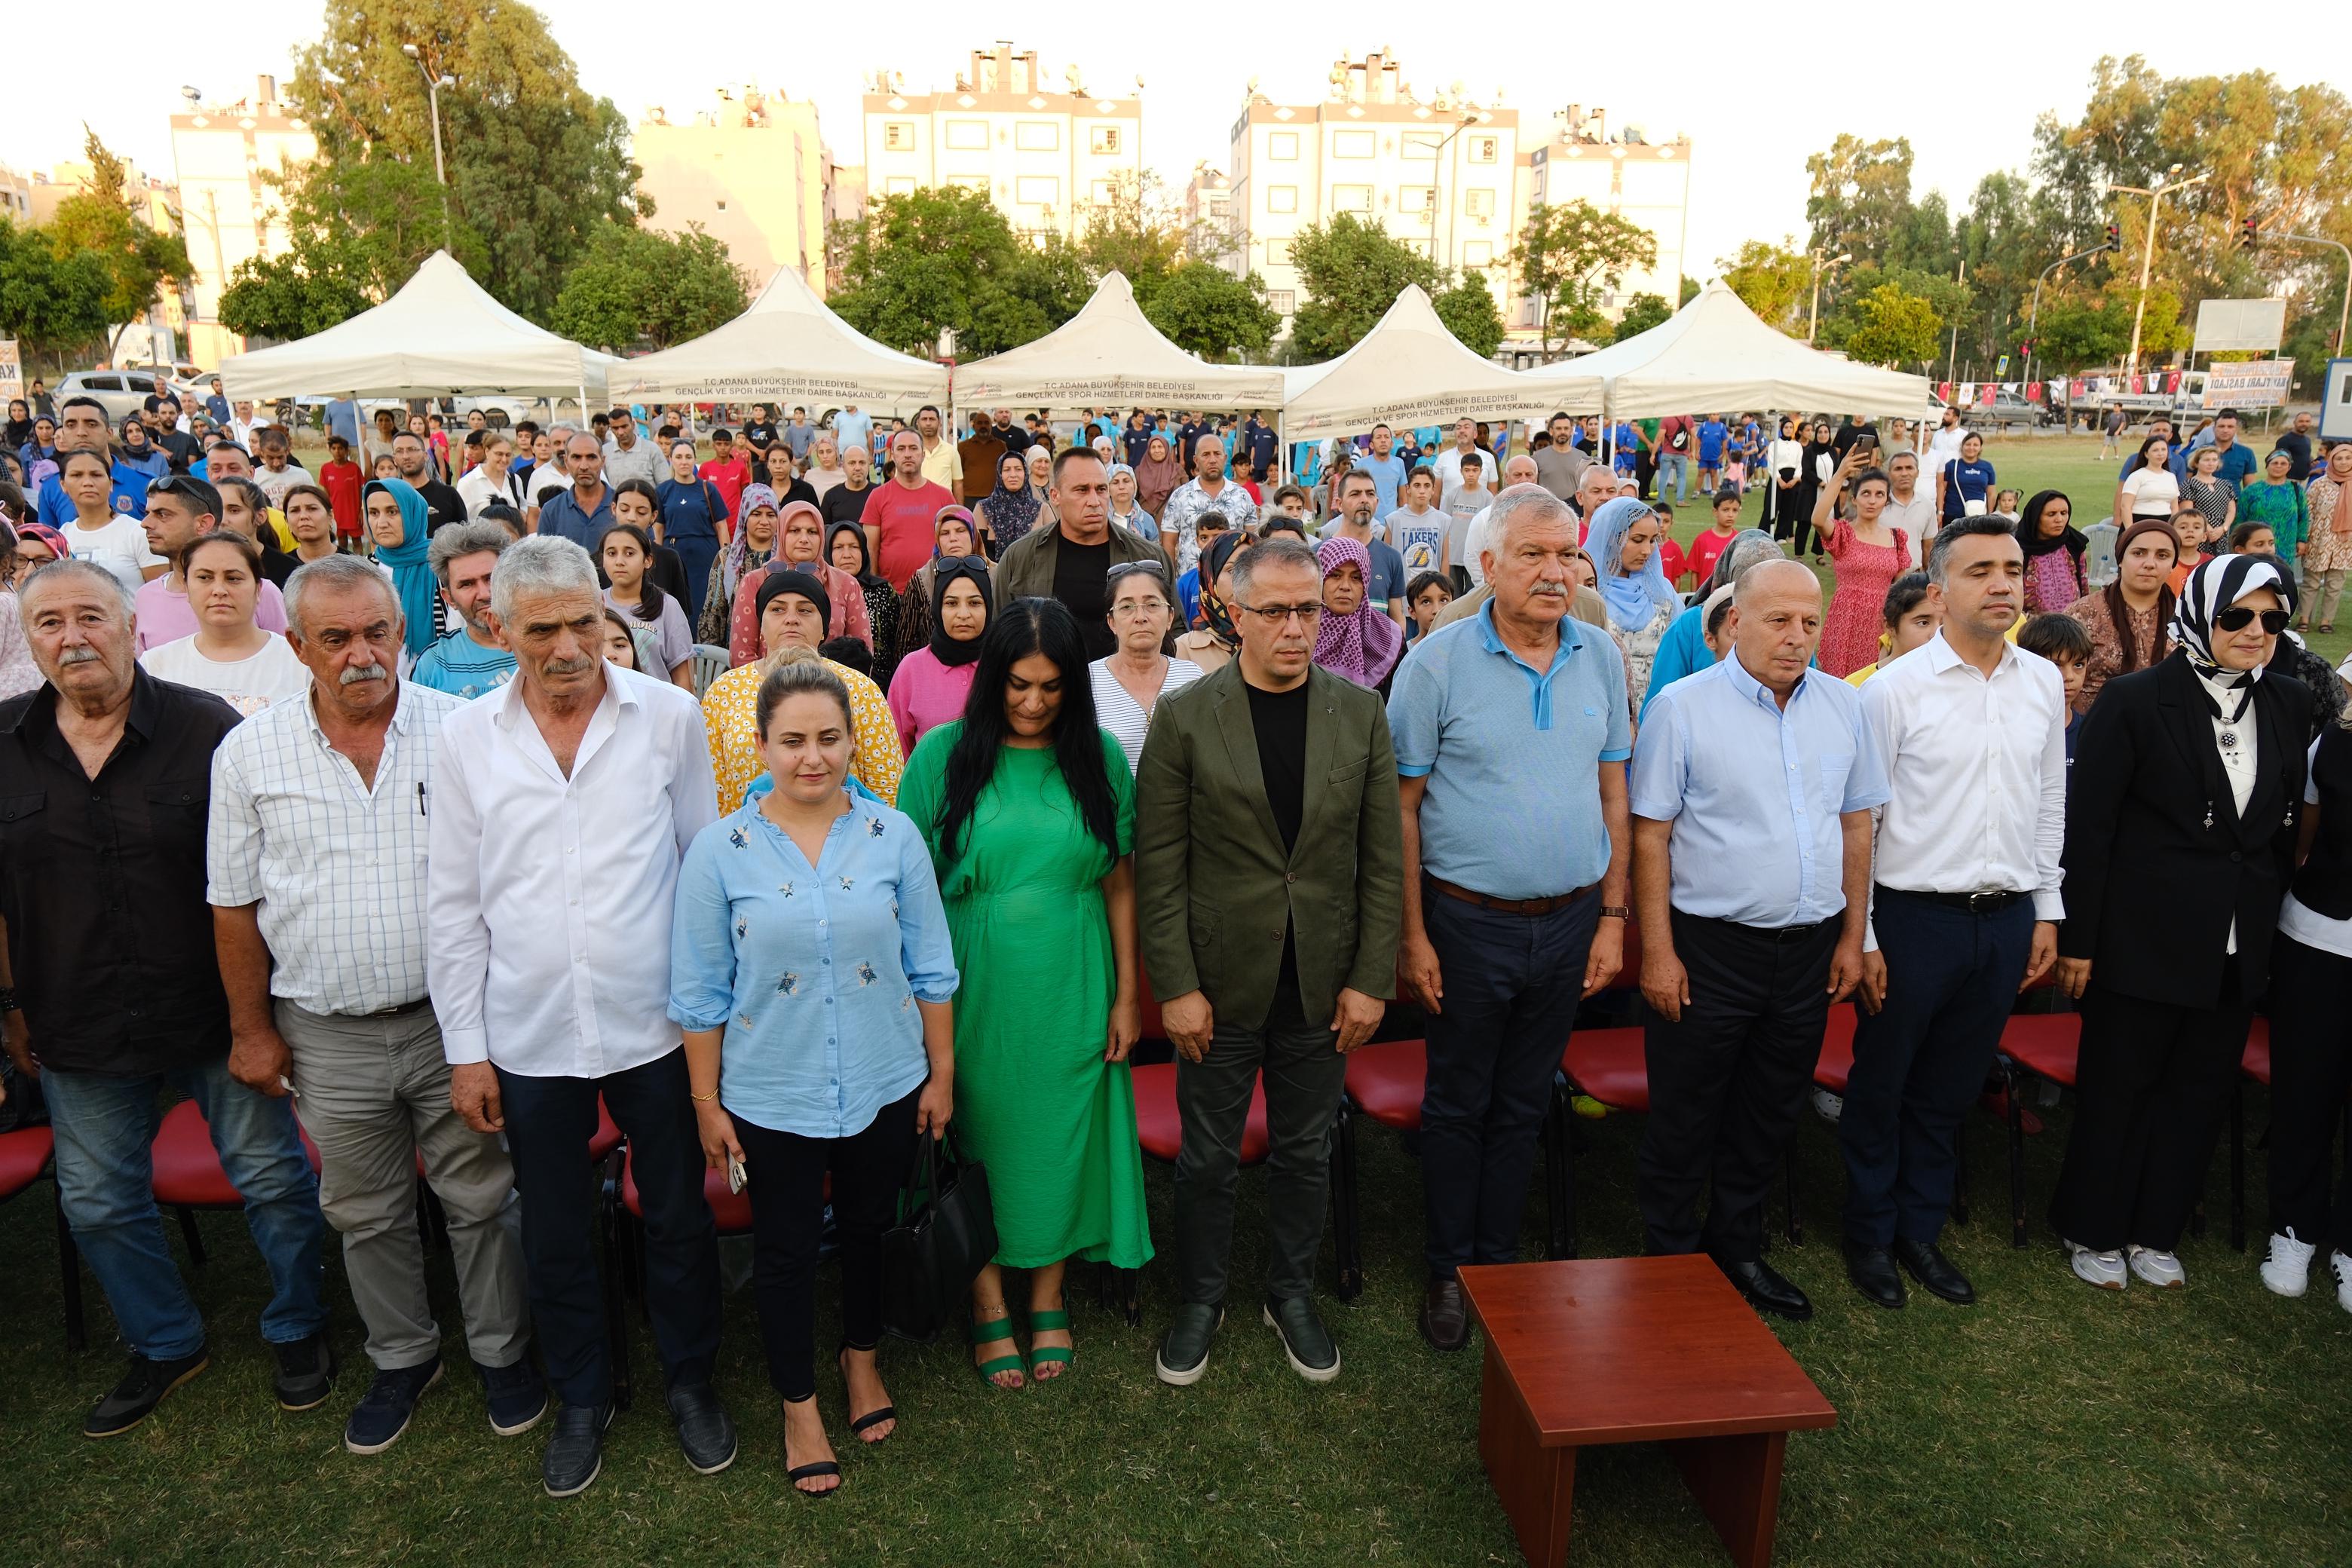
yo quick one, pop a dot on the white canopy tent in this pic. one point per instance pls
(440, 335)
(1109, 355)
(787, 348)
(1410, 370)
(1715, 353)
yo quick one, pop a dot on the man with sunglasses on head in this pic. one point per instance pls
(1269, 876)
(181, 510)
(82, 427)
(1071, 559)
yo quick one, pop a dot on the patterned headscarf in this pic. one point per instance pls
(738, 551)
(1632, 602)
(1010, 512)
(2219, 582)
(1215, 612)
(1364, 645)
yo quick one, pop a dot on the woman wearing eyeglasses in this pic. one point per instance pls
(2180, 834)
(1128, 683)
(931, 683)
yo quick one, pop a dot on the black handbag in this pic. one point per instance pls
(945, 1236)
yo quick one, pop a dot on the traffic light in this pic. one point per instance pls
(2249, 233)
(2115, 236)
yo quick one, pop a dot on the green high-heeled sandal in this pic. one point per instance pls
(1064, 1355)
(990, 1333)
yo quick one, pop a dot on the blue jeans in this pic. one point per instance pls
(1673, 473)
(105, 1180)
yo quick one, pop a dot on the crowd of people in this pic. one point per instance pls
(855, 784)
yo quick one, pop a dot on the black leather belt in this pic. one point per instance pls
(402, 1011)
(1507, 906)
(1991, 903)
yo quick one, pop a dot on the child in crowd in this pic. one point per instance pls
(1417, 529)
(1292, 502)
(1707, 548)
(1425, 597)
(1670, 554)
(2189, 522)
(1718, 623)
(2062, 640)
(620, 641)
(2216, 498)
(1208, 528)
(341, 479)
(850, 653)
(1912, 617)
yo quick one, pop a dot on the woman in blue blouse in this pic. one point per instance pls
(812, 970)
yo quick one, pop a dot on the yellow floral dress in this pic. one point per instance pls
(731, 713)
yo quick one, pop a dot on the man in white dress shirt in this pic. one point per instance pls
(1965, 907)
(316, 863)
(562, 806)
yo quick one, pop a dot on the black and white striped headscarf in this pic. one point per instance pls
(2217, 584)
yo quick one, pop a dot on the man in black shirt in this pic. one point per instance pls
(112, 986)
(761, 431)
(1071, 559)
(2296, 442)
(1266, 792)
(1014, 437)
(443, 504)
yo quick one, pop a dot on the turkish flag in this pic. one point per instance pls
(2032, 392)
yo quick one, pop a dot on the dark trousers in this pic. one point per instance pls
(1305, 1076)
(549, 1123)
(1920, 1061)
(786, 1176)
(1512, 986)
(2311, 1068)
(1727, 1080)
(2152, 1080)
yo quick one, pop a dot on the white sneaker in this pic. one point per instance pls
(1828, 1106)
(2287, 1270)
(2104, 1269)
(2343, 1269)
(2162, 1270)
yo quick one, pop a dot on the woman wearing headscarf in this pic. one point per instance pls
(1126, 512)
(934, 680)
(2180, 841)
(2054, 552)
(1355, 640)
(1640, 604)
(954, 537)
(753, 546)
(2130, 618)
(1213, 644)
(845, 549)
(404, 556)
(799, 547)
(1158, 476)
(1814, 474)
(135, 451)
(19, 430)
(1684, 650)
(1784, 470)
(794, 608)
(2327, 549)
(1011, 508)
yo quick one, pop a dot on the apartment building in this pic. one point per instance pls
(751, 170)
(229, 160)
(1645, 182)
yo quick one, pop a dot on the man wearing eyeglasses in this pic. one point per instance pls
(1269, 887)
(1071, 559)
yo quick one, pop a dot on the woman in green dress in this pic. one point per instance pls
(1030, 813)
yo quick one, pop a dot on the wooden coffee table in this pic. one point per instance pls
(1634, 1350)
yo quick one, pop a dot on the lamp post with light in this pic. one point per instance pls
(2147, 251)
(1813, 316)
(434, 83)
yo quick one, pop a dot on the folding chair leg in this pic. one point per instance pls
(1559, 1172)
(1346, 1240)
(2238, 1165)
(2013, 1085)
(70, 1276)
(1789, 1173)
(610, 1222)
(188, 1232)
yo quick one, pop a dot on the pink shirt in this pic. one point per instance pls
(165, 617)
(925, 694)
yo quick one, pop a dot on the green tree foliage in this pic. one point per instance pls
(928, 260)
(1567, 256)
(1351, 272)
(637, 286)
(537, 166)
(1772, 280)
(1689, 292)
(2082, 334)
(1206, 310)
(1892, 328)
(50, 301)
(1860, 196)
(1642, 311)
(307, 290)
(1467, 309)
(98, 220)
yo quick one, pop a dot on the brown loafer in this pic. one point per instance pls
(1445, 1320)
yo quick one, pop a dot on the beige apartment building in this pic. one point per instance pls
(751, 170)
(1645, 182)
(1044, 154)
(229, 160)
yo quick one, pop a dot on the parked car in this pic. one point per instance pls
(2006, 411)
(122, 392)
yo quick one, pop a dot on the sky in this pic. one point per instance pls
(1755, 97)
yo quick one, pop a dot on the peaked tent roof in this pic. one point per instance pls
(1716, 353)
(1109, 354)
(1411, 369)
(440, 334)
(788, 346)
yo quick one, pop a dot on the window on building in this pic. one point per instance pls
(971, 182)
(1102, 140)
(1354, 144)
(899, 185)
(1282, 144)
(1416, 198)
(898, 136)
(968, 135)
(1352, 198)
(1479, 203)
(1277, 253)
(1284, 301)
(1281, 198)
(1483, 148)
(1037, 136)
(1420, 146)
(1037, 190)
(1478, 253)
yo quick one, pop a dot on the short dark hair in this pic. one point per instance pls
(1069, 455)
(1352, 475)
(1903, 596)
(83, 403)
(2055, 638)
(2229, 413)
(1422, 584)
(1984, 525)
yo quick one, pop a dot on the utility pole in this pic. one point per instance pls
(2147, 250)
(434, 82)
(1813, 317)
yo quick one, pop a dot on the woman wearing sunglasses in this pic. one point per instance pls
(2181, 836)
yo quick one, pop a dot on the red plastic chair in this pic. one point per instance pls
(2032, 1044)
(26, 1156)
(2254, 1064)
(187, 1174)
(624, 1248)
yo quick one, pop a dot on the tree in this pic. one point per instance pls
(536, 163)
(1892, 328)
(309, 289)
(1352, 271)
(1207, 311)
(925, 261)
(1568, 253)
(1773, 281)
(1689, 292)
(50, 302)
(1468, 310)
(1642, 311)
(2076, 335)
(636, 285)
(97, 220)
(1861, 194)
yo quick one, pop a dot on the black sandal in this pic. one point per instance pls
(859, 1424)
(799, 1473)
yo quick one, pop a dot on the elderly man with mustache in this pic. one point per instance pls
(317, 866)
(1511, 740)
(110, 988)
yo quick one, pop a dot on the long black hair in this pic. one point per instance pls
(650, 598)
(1017, 630)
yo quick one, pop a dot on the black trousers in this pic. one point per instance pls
(1727, 1080)
(2154, 1080)
(2311, 1068)
(786, 1176)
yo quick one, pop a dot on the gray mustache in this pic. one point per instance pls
(73, 656)
(354, 674)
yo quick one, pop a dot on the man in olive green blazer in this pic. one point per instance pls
(1269, 867)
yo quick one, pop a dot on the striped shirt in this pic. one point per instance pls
(338, 867)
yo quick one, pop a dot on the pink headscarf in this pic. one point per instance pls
(1362, 646)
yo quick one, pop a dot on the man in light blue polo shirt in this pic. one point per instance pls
(1388, 471)
(1511, 735)
(1753, 785)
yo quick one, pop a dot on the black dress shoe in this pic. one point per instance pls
(576, 1449)
(1767, 1291)
(704, 1431)
(1445, 1320)
(1928, 1266)
(144, 1383)
(1872, 1270)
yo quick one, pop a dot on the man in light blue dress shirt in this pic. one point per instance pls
(1752, 788)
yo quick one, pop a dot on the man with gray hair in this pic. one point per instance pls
(548, 475)
(316, 862)
(584, 512)
(1511, 737)
(473, 658)
(562, 808)
(110, 989)
(1230, 830)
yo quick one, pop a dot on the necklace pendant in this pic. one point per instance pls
(2229, 740)
(2209, 816)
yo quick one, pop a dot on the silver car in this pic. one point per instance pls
(122, 392)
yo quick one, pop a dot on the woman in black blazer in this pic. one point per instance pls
(2181, 830)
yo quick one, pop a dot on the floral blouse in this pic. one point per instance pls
(731, 714)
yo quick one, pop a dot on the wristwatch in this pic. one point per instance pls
(1617, 911)
(7, 999)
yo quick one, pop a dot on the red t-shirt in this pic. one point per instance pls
(731, 477)
(342, 481)
(1670, 556)
(906, 521)
(1706, 549)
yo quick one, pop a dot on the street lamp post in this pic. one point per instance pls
(2344, 313)
(2033, 320)
(432, 85)
(1469, 118)
(2147, 251)
(1813, 316)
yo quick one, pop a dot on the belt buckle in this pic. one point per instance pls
(1984, 903)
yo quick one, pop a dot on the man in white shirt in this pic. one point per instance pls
(316, 864)
(1448, 463)
(628, 455)
(1966, 903)
(562, 806)
(278, 472)
(1910, 506)
(1945, 447)
(1519, 469)
(548, 475)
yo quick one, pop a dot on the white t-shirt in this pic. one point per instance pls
(1473, 545)
(1943, 448)
(121, 547)
(276, 484)
(478, 490)
(2152, 493)
(247, 684)
(1117, 710)
(546, 480)
(1419, 537)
